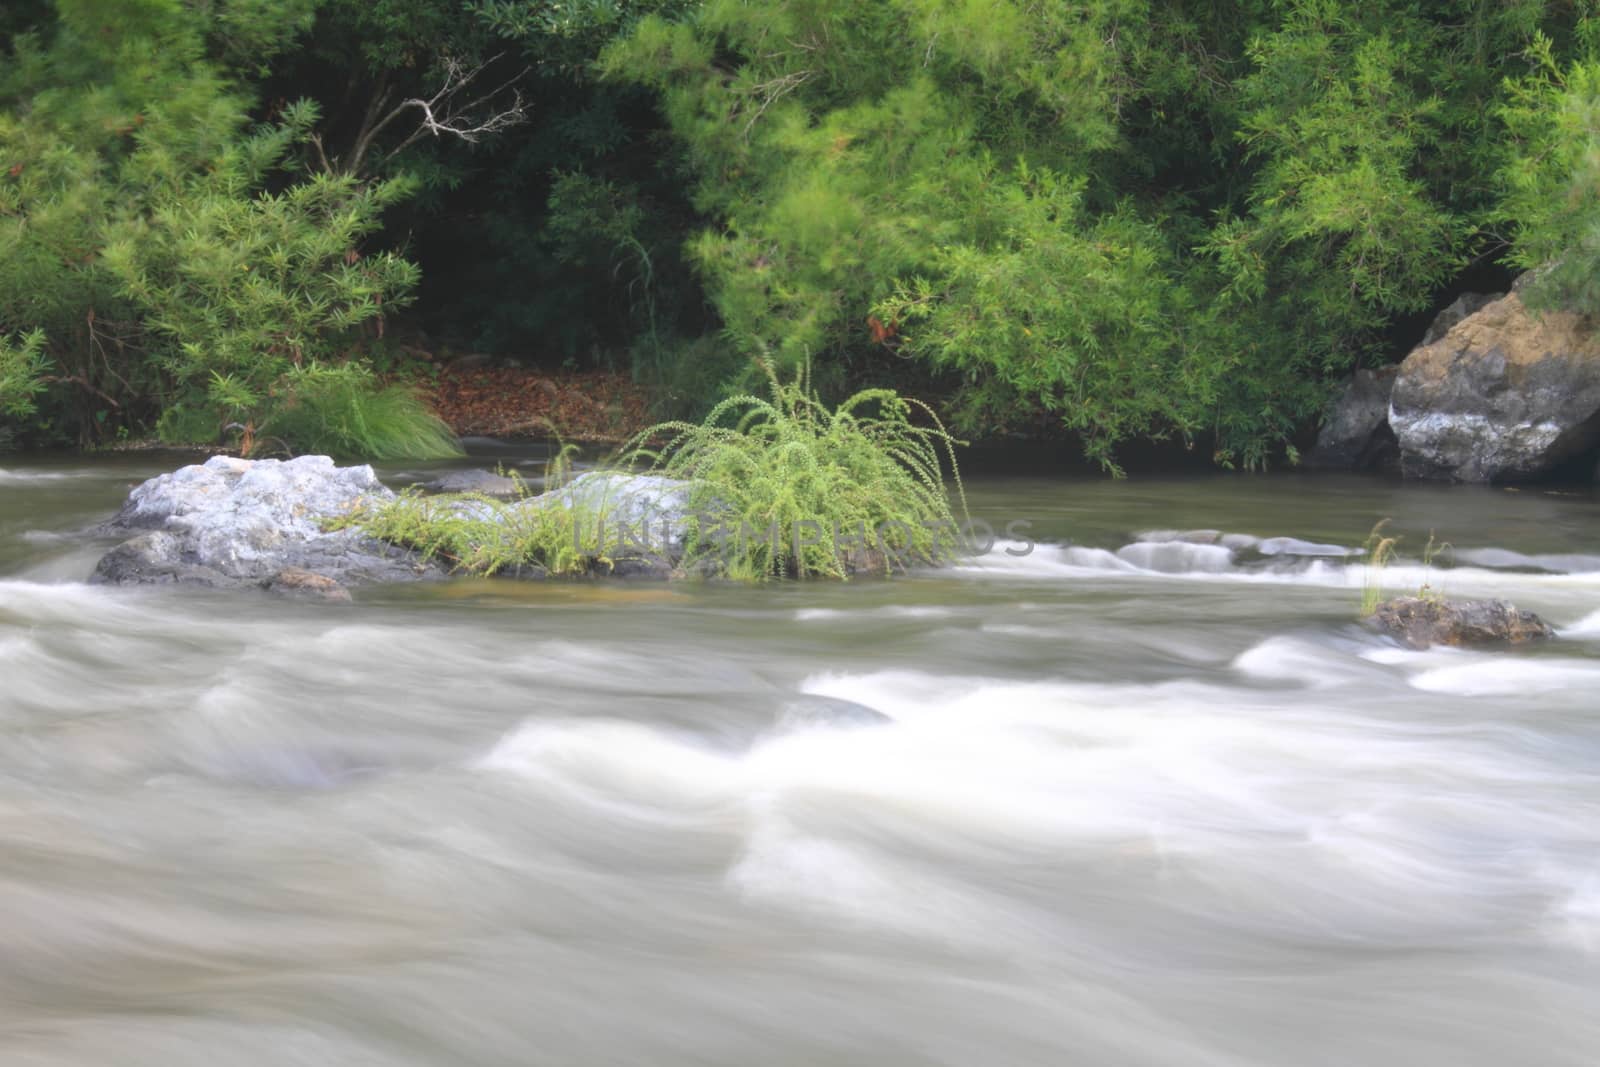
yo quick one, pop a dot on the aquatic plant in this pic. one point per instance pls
(477, 534)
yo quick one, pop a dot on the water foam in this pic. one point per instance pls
(1505, 676)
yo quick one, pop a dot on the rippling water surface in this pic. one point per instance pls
(1110, 802)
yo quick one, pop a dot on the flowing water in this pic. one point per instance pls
(1132, 803)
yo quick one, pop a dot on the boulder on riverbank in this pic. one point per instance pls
(1355, 432)
(233, 523)
(1504, 394)
(1422, 622)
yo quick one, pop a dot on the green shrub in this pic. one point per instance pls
(186, 424)
(22, 371)
(1552, 180)
(159, 238)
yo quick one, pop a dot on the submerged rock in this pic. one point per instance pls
(231, 523)
(307, 585)
(1503, 394)
(1422, 622)
(811, 712)
(487, 483)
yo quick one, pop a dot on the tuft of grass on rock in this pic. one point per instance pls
(1378, 552)
(783, 486)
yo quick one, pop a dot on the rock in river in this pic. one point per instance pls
(487, 483)
(1422, 622)
(235, 522)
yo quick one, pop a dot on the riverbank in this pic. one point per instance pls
(598, 407)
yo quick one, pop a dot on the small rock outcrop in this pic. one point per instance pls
(1355, 432)
(1460, 308)
(1503, 394)
(1422, 622)
(305, 585)
(232, 523)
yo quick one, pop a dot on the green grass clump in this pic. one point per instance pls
(861, 482)
(342, 410)
(478, 534)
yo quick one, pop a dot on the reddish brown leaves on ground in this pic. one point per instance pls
(513, 402)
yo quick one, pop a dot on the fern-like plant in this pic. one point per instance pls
(783, 486)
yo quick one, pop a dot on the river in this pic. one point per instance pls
(1149, 805)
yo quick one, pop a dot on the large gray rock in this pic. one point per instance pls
(1503, 395)
(1422, 622)
(649, 510)
(233, 522)
(1355, 432)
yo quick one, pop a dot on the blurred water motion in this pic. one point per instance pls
(1083, 806)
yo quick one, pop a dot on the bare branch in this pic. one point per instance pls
(447, 112)
(773, 91)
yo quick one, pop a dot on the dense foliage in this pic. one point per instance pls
(1125, 219)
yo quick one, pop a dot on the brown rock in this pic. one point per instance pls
(1504, 394)
(303, 584)
(1422, 622)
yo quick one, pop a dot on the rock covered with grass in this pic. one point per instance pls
(602, 523)
(774, 487)
(488, 483)
(234, 522)
(1422, 622)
